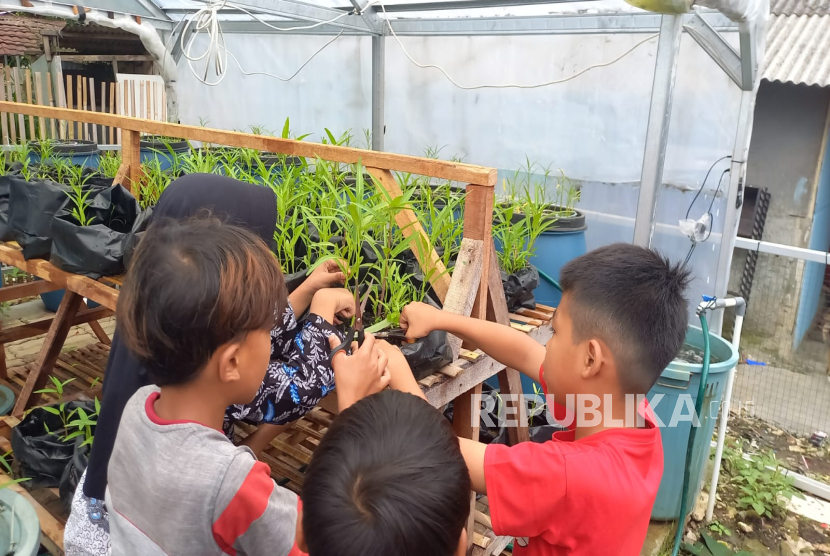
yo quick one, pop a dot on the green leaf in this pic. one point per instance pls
(52, 410)
(716, 548)
(286, 129)
(759, 508)
(696, 549)
(75, 434)
(88, 441)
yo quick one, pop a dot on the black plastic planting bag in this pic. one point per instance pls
(427, 355)
(72, 473)
(518, 288)
(131, 239)
(5, 183)
(295, 279)
(489, 429)
(42, 455)
(95, 250)
(32, 204)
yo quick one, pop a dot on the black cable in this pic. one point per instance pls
(709, 212)
(689, 256)
(712, 167)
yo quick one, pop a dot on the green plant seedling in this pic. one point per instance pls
(79, 195)
(58, 390)
(764, 486)
(109, 163)
(719, 528)
(708, 546)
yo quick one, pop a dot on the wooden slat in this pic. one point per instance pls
(19, 96)
(86, 58)
(49, 96)
(116, 96)
(4, 125)
(131, 157)
(9, 96)
(27, 82)
(42, 101)
(32, 329)
(28, 289)
(71, 105)
(82, 132)
(407, 221)
(526, 320)
(534, 314)
(464, 284)
(478, 220)
(545, 308)
(92, 107)
(454, 171)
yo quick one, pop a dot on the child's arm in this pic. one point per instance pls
(327, 275)
(514, 349)
(403, 380)
(333, 303)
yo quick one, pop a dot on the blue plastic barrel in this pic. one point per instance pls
(52, 300)
(683, 379)
(154, 147)
(80, 153)
(554, 248)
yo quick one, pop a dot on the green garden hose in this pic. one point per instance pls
(550, 279)
(704, 376)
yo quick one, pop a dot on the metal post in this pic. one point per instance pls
(657, 135)
(378, 71)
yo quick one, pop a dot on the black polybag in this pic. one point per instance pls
(427, 355)
(72, 472)
(94, 250)
(295, 279)
(130, 241)
(32, 204)
(43, 456)
(5, 182)
(518, 288)
(490, 430)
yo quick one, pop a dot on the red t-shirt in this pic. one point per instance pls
(591, 496)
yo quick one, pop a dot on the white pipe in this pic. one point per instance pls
(146, 32)
(727, 399)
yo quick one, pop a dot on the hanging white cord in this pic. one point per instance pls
(216, 53)
(511, 85)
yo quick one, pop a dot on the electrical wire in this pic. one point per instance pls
(507, 86)
(712, 167)
(216, 53)
(712, 204)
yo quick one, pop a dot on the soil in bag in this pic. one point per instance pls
(94, 250)
(5, 183)
(427, 355)
(518, 288)
(32, 204)
(39, 448)
(72, 472)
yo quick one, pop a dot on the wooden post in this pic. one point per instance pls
(27, 81)
(52, 129)
(19, 97)
(10, 97)
(82, 104)
(4, 125)
(70, 104)
(478, 224)
(131, 157)
(49, 352)
(92, 107)
(40, 100)
(115, 95)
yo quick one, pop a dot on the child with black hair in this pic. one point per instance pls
(197, 307)
(589, 490)
(388, 478)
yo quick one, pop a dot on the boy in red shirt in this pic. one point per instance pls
(588, 491)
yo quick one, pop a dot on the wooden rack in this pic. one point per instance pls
(473, 289)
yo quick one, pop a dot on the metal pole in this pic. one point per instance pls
(378, 71)
(657, 135)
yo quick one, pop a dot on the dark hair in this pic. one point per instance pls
(387, 478)
(192, 287)
(633, 300)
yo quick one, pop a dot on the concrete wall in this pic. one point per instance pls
(790, 122)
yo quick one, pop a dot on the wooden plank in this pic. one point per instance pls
(521, 327)
(100, 333)
(19, 96)
(4, 124)
(49, 97)
(27, 81)
(86, 58)
(32, 329)
(93, 108)
(118, 98)
(52, 529)
(534, 314)
(131, 156)
(82, 105)
(71, 105)
(111, 109)
(478, 221)
(468, 355)
(49, 353)
(545, 308)
(455, 171)
(408, 222)
(451, 371)
(28, 289)
(464, 285)
(10, 96)
(465, 421)
(526, 320)
(40, 100)
(91, 289)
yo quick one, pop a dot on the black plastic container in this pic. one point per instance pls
(518, 288)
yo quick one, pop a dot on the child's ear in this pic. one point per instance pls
(299, 538)
(594, 353)
(228, 359)
(462, 544)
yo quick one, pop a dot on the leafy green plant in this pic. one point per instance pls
(109, 163)
(57, 390)
(153, 182)
(707, 546)
(83, 422)
(20, 153)
(719, 528)
(79, 195)
(761, 481)
(4, 462)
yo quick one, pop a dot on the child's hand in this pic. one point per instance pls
(399, 370)
(360, 374)
(333, 304)
(419, 319)
(327, 275)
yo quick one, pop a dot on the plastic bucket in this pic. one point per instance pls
(683, 379)
(156, 148)
(25, 534)
(555, 248)
(52, 300)
(80, 153)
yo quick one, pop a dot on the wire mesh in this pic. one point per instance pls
(784, 374)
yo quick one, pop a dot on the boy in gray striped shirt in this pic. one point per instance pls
(197, 308)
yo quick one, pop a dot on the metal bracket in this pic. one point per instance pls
(716, 47)
(370, 16)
